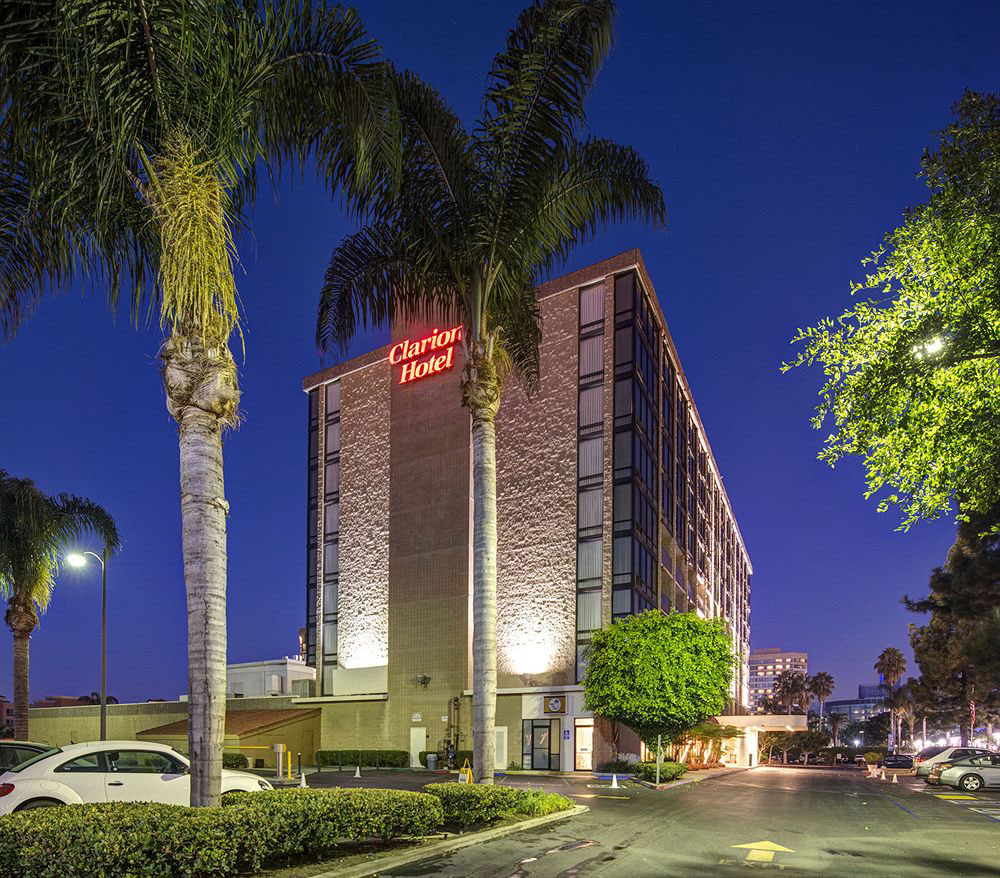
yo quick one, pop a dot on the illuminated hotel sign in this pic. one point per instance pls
(426, 356)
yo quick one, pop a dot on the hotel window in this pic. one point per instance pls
(590, 473)
(331, 531)
(312, 522)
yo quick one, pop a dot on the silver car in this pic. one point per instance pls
(969, 774)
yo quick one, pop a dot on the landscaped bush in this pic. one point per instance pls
(616, 766)
(368, 758)
(668, 771)
(873, 756)
(475, 804)
(235, 760)
(249, 831)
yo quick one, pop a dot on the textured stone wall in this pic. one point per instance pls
(536, 511)
(363, 628)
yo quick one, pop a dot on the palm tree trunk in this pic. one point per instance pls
(22, 621)
(481, 396)
(202, 395)
(484, 591)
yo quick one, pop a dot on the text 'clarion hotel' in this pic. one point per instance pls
(609, 502)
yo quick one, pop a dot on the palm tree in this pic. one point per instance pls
(790, 688)
(891, 664)
(134, 130)
(475, 221)
(836, 720)
(33, 529)
(821, 685)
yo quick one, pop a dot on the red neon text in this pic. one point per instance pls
(408, 353)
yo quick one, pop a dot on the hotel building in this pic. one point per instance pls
(765, 665)
(609, 502)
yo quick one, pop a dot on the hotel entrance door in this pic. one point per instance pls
(540, 744)
(584, 746)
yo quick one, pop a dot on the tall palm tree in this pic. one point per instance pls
(790, 688)
(836, 721)
(34, 528)
(134, 129)
(821, 686)
(891, 664)
(477, 218)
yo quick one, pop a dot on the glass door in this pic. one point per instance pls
(584, 760)
(540, 744)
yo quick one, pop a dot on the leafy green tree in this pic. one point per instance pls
(659, 674)
(911, 369)
(876, 729)
(132, 133)
(466, 232)
(34, 529)
(809, 742)
(821, 686)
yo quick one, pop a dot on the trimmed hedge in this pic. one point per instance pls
(235, 760)
(616, 766)
(460, 757)
(668, 771)
(476, 804)
(365, 758)
(249, 831)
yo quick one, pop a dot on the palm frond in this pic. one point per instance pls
(374, 275)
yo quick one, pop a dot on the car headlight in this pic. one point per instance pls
(264, 785)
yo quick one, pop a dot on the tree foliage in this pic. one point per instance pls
(659, 674)
(910, 370)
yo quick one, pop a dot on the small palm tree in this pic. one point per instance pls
(821, 685)
(34, 528)
(130, 139)
(836, 721)
(891, 664)
(472, 224)
(790, 688)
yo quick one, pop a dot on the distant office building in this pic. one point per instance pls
(865, 706)
(765, 665)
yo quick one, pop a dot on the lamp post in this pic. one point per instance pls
(77, 559)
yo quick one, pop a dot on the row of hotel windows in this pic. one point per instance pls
(328, 606)
(690, 500)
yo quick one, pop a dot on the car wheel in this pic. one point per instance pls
(39, 803)
(971, 782)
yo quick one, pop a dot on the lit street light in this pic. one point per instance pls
(78, 559)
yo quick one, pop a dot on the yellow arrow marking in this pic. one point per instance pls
(764, 846)
(945, 796)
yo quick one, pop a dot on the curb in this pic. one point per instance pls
(679, 783)
(455, 843)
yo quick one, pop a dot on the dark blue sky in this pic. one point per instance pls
(785, 135)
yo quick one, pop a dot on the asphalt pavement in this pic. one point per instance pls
(831, 823)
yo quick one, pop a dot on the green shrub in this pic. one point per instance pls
(616, 766)
(872, 756)
(460, 757)
(477, 804)
(668, 771)
(235, 760)
(249, 831)
(369, 758)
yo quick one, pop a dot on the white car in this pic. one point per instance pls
(108, 771)
(925, 760)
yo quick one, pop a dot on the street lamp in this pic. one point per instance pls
(78, 559)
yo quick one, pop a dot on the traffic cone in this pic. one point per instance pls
(302, 780)
(883, 775)
(894, 778)
(357, 772)
(614, 781)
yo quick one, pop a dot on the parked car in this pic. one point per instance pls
(927, 757)
(108, 771)
(15, 752)
(969, 774)
(897, 761)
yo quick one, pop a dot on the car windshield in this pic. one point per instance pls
(43, 755)
(927, 752)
